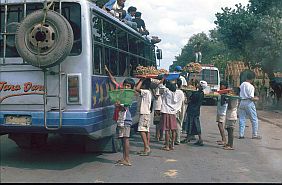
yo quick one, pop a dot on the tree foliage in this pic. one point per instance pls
(251, 33)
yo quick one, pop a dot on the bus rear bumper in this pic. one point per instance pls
(83, 123)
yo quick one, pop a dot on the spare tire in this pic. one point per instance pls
(44, 45)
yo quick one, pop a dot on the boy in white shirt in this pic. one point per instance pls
(143, 87)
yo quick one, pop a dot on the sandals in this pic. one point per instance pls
(228, 148)
(199, 143)
(165, 148)
(145, 153)
(221, 142)
(124, 163)
(257, 137)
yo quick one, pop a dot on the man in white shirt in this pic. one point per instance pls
(182, 78)
(247, 107)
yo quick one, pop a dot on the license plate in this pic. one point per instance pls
(18, 120)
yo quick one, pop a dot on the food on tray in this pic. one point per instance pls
(189, 88)
(193, 68)
(224, 91)
(150, 70)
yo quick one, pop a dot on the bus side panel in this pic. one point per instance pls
(101, 85)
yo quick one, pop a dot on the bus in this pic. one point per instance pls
(52, 74)
(211, 75)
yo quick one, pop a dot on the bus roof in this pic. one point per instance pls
(97, 9)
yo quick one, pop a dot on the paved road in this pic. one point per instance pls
(60, 161)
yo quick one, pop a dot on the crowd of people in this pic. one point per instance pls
(170, 109)
(131, 17)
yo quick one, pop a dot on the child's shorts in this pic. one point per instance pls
(230, 123)
(123, 132)
(144, 123)
(220, 118)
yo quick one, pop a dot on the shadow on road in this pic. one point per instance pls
(58, 154)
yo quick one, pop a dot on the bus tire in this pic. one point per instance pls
(44, 45)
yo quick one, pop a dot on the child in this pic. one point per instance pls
(221, 113)
(143, 87)
(181, 113)
(171, 104)
(231, 119)
(157, 105)
(193, 112)
(124, 120)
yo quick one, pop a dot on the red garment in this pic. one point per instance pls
(115, 117)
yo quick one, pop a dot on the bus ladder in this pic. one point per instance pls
(59, 96)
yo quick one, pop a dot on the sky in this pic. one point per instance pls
(175, 21)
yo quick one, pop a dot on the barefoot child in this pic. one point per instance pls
(231, 119)
(143, 87)
(123, 118)
(172, 103)
(221, 113)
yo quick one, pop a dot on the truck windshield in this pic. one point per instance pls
(210, 76)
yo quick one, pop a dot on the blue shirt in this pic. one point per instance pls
(128, 17)
(128, 118)
(221, 108)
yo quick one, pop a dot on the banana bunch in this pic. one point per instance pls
(193, 68)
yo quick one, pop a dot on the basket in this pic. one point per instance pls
(123, 96)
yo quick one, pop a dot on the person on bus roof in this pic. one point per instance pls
(114, 7)
(140, 24)
(128, 17)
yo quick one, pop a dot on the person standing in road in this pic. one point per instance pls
(193, 112)
(231, 119)
(123, 118)
(143, 87)
(221, 113)
(181, 113)
(182, 78)
(247, 107)
(171, 104)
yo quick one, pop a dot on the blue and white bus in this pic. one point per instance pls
(52, 76)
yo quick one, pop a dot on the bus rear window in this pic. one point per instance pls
(210, 76)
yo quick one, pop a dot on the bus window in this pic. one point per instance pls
(122, 39)
(97, 60)
(109, 34)
(132, 44)
(96, 28)
(133, 65)
(123, 65)
(111, 60)
(141, 48)
(210, 76)
(72, 12)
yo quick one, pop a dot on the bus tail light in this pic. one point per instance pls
(74, 88)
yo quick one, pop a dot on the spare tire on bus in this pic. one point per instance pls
(44, 45)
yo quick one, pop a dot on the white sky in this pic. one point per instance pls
(175, 21)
